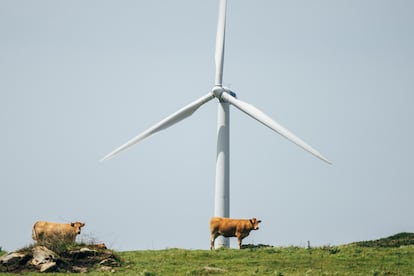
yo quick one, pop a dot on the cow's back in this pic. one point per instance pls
(225, 226)
(46, 226)
(49, 230)
(40, 228)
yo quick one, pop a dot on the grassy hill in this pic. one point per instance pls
(389, 256)
(345, 260)
(401, 239)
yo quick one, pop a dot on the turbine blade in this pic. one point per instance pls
(269, 122)
(174, 118)
(221, 30)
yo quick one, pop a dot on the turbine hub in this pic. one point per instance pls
(217, 91)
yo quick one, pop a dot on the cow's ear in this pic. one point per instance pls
(252, 221)
(72, 224)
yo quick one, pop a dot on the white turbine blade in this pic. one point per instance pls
(221, 30)
(174, 118)
(269, 122)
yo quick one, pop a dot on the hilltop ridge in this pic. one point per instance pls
(397, 240)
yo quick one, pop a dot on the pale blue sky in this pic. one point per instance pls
(79, 78)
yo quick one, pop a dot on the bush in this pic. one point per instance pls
(397, 240)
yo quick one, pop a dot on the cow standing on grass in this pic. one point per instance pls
(46, 231)
(227, 227)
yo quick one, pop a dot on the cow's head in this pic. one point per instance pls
(77, 225)
(255, 223)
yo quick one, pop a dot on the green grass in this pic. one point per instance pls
(346, 260)
(393, 255)
(327, 260)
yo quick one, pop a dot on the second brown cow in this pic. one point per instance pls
(227, 227)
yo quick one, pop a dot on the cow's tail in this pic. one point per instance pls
(34, 235)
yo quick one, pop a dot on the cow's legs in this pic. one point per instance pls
(213, 238)
(239, 240)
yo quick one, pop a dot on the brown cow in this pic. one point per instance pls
(46, 231)
(227, 227)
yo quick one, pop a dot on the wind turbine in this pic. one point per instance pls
(225, 98)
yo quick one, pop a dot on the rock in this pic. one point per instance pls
(12, 257)
(213, 269)
(13, 261)
(41, 259)
(79, 269)
(42, 255)
(47, 266)
(82, 253)
(108, 268)
(85, 249)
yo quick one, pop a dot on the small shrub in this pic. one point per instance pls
(375, 273)
(255, 246)
(147, 273)
(57, 245)
(331, 249)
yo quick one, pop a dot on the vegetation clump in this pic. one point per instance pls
(397, 240)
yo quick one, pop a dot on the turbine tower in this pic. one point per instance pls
(225, 98)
